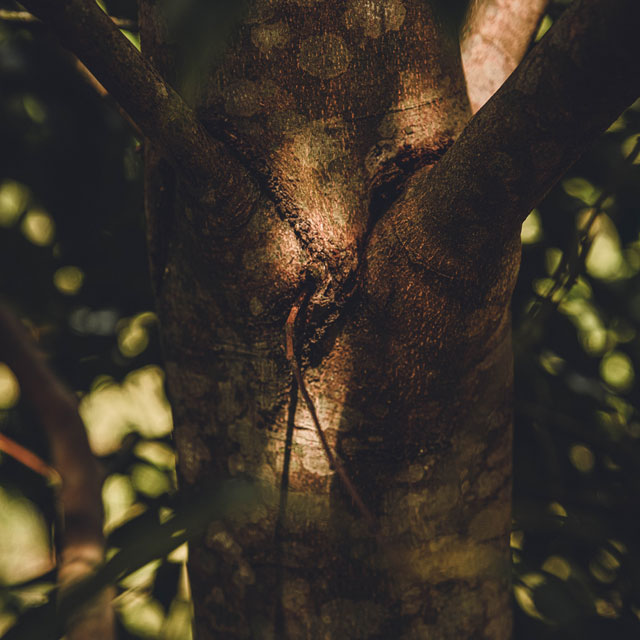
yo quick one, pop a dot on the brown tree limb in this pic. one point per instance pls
(95, 84)
(79, 495)
(571, 86)
(24, 17)
(493, 41)
(160, 113)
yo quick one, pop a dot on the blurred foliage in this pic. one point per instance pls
(576, 312)
(72, 260)
(149, 605)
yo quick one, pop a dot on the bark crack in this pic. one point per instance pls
(335, 464)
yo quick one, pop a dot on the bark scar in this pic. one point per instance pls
(295, 367)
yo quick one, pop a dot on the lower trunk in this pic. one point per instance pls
(412, 386)
(339, 111)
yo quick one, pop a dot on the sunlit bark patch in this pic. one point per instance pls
(375, 17)
(324, 56)
(268, 36)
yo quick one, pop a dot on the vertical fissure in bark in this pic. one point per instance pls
(333, 461)
(280, 526)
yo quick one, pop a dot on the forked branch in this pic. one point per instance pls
(572, 85)
(161, 114)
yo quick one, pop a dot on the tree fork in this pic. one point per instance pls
(412, 384)
(212, 174)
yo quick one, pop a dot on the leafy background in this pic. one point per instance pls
(73, 261)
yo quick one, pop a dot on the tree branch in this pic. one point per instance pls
(93, 82)
(494, 39)
(80, 496)
(571, 86)
(212, 174)
(24, 17)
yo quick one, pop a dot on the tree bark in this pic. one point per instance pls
(338, 115)
(494, 39)
(323, 168)
(332, 106)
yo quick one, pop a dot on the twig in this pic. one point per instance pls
(24, 17)
(97, 86)
(210, 171)
(295, 367)
(29, 459)
(81, 539)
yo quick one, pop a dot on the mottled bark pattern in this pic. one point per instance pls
(494, 41)
(332, 107)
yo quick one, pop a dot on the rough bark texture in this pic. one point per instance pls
(338, 111)
(494, 40)
(325, 161)
(332, 106)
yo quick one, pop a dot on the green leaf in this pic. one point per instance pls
(152, 541)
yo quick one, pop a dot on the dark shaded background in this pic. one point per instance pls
(73, 261)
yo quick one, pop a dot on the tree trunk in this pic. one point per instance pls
(335, 108)
(315, 195)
